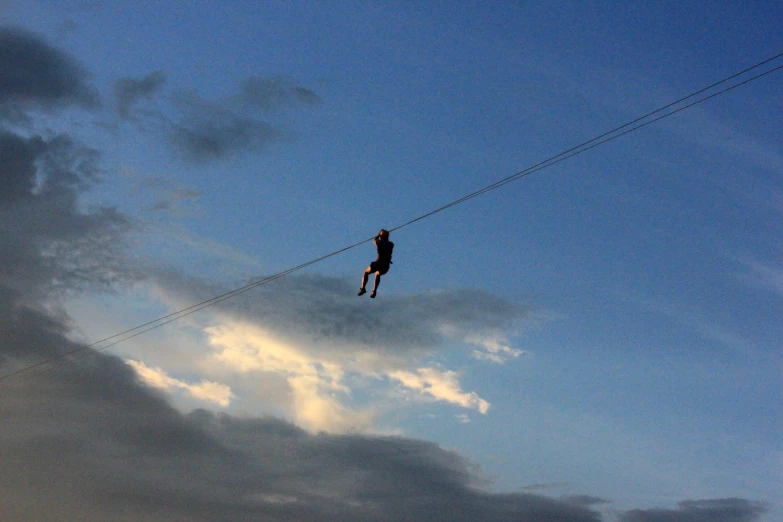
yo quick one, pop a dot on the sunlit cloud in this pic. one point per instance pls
(316, 386)
(327, 363)
(769, 276)
(320, 397)
(494, 349)
(244, 347)
(441, 386)
(208, 391)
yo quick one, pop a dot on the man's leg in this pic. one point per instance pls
(365, 276)
(377, 282)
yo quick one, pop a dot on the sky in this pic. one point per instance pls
(599, 341)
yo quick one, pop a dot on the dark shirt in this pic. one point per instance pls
(384, 248)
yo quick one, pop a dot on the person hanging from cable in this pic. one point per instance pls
(381, 265)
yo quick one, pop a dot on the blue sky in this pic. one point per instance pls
(608, 327)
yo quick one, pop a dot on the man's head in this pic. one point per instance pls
(384, 234)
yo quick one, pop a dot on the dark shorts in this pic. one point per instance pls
(379, 266)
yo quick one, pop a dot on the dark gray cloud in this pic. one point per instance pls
(276, 93)
(36, 75)
(325, 309)
(715, 510)
(203, 130)
(173, 198)
(208, 131)
(545, 486)
(47, 240)
(584, 500)
(210, 138)
(89, 443)
(128, 90)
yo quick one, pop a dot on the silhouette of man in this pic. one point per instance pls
(381, 265)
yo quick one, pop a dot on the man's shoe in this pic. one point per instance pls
(362, 291)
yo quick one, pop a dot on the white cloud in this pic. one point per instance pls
(440, 385)
(321, 411)
(769, 277)
(318, 390)
(208, 391)
(273, 498)
(244, 347)
(315, 385)
(304, 349)
(494, 348)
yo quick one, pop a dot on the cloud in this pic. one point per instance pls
(584, 500)
(47, 240)
(203, 130)
(317, 382)
(545, 486)
(208, 391)
(172, 201)
(127, 456)
(36, 75)
(325, 311)
(493, 349)
(440, 385)
(208, 130)
(314, 384)
(694, 318)
(276, 93)
(342, 362)
(766, 275)
(716, 510)
(161, 194)
(127, 91)
(202, 137)
(91, 441)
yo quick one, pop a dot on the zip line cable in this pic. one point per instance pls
(573, 151)
(583, 147)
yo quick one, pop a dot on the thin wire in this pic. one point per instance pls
(573, 151)
(582, 147)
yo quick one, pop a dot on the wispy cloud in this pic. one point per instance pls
(312, 333)
(208, 391)
(127, 91)
(768, 276)
(206, 130)
(699, 322)
(494, 349)
(728, 509)
(441, 386)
